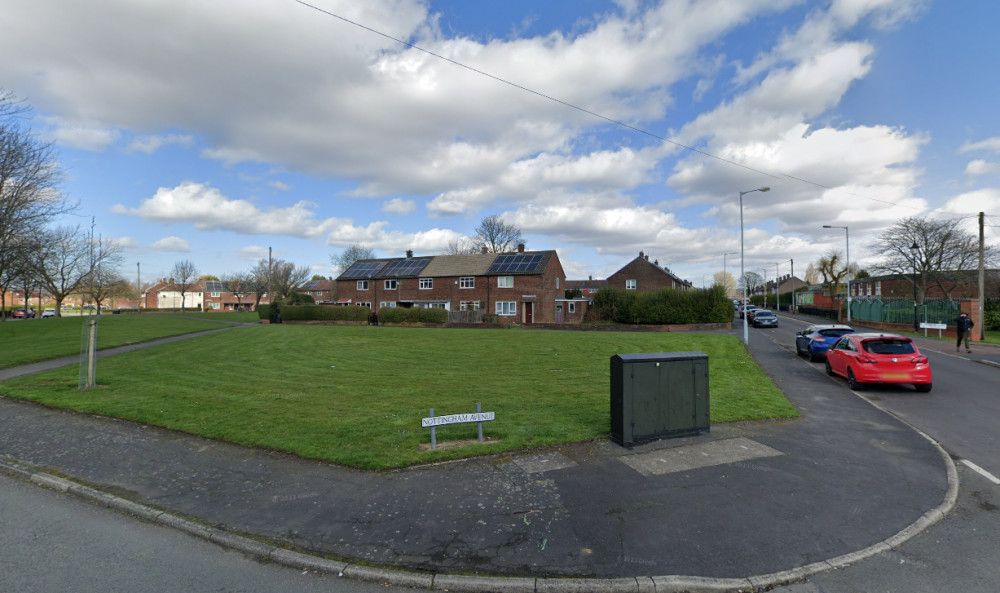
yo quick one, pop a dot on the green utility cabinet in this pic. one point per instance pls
(658, 395)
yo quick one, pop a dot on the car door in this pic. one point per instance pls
(802, 339)
(839, 355)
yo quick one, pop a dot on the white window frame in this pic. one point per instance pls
(363, 304)
(506, 308)
(505, 282)
(467, 282)
(571, 307)
(387, 305)
(362, 285)
(426, 283)
(216, 294)
(468, 306)
(631, 284)
(391, 284)
(216, 306)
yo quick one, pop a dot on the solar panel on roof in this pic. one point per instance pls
(364, 269)
(515, 262)
(405, 267)
(214, 286)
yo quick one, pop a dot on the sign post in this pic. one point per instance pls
(432, 422)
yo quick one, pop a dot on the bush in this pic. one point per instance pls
(663, 307)
(298, 298)
(414, 315)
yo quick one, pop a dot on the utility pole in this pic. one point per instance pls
(982, 281)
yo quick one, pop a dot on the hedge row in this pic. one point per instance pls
(413, 315)
(664, 307)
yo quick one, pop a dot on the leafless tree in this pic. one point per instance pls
(241, 284)
(184, 274)
(833, 270)
(462, 246)
(29, 197)
(497, 236)
(105, 273)
(943, 252)
(286, 277)
(811, 276)
(752, 281)
(345, 260)
(726, 280)
(63, 261)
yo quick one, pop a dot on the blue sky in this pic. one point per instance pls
(211, 131)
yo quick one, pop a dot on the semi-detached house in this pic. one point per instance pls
(519, 287)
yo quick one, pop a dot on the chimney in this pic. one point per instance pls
(520, 247)
(656, 262)
(409, 253)
(485, 250)
(641, 255)
(647, 257)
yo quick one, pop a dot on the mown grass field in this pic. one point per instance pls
(355, 395)
(32, 340)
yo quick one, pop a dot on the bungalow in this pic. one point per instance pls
(519, 287)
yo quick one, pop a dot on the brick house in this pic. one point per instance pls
(519, 287)
(645, 276)
(950, 285)
(166, 294)
(220, 297)
(322, 291)
(588, 287)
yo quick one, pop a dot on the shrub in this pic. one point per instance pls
(665, 306)
(414, 315)
(298, 298)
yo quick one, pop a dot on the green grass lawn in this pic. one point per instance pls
(32, 340)
(355, 395)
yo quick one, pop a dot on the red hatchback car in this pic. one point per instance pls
(879, 358)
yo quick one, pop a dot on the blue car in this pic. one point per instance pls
(815, 340)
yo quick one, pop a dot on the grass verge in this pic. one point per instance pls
(355, 395)
(33, 340)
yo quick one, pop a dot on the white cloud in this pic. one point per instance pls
(399, 206)
(981, 167)
(990, 145)
(150, 144)
(93, 137)
(176, 244)
(207, 209)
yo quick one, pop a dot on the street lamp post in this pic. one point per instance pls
(746, 331)
(915, 249)
(777, 289)
(848, 235)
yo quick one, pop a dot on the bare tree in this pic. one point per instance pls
(258, 279)
(105, 275)
(63, 261)
(354, 253)
(943, 251)
(462, 246)
(241, 284)
(833, 270)
(726, 280)
(752, 281)
(812, 276)
(497, 236)
(286, 277)
(29, 198)
(184, 273)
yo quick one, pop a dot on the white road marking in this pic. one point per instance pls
(980, 471)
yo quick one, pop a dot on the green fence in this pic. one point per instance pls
(901, 310)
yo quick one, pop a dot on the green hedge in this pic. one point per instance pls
(414, 315)
(663, 307)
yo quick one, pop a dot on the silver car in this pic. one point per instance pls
(765, 318)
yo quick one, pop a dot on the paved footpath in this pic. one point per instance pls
(748, 505)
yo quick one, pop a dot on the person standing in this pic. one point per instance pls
(963, 327)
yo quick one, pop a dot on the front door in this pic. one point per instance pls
(528, 311)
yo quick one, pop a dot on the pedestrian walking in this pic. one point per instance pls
(963, 328)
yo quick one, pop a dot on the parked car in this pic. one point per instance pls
(879, 358)
(749, 312)
(815, 340)
(48, 313)
(765, 318)
(23, 314)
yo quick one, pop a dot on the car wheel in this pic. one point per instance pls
(812, 356)
(923, 388)
(852, 381)
(829, 369)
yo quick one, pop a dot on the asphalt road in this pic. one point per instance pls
(52, 542)
(961, 412)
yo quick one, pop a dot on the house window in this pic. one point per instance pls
(363, 304)
(630, 285)
(557, 284)
(506, 308)
(505, 282)
(467, 282)
(216, 295)
(362, 285)
(216, 306)
(469, 306)
(387, 305)
(391, 284)
(571, 307)
(426, 283)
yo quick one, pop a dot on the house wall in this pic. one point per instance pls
(648, 277)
